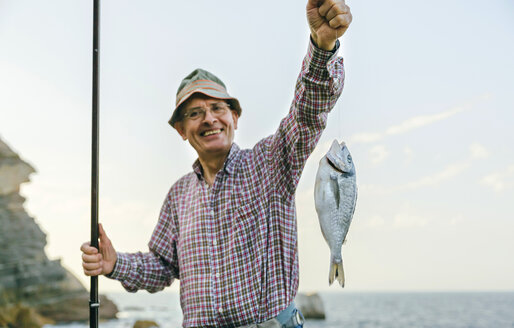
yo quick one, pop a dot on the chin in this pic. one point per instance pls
(218, 147)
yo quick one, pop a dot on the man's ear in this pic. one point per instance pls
(179, 126)
(235, 117)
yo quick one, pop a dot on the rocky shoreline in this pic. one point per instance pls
(34, 290)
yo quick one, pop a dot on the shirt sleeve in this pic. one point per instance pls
(318, 87)
(156, 269)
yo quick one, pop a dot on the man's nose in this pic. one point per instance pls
(209, 117)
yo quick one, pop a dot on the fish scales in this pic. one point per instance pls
(335, 197)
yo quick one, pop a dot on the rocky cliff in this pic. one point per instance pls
(27, 276)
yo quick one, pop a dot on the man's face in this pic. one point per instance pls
(210, 134)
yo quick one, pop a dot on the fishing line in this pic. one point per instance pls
(338, 108)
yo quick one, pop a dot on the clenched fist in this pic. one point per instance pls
(328, 20)
(95, 263)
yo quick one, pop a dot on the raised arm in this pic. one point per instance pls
(318, 87)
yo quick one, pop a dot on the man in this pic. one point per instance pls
(227, 230)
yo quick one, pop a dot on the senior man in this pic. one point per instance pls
(227, 230)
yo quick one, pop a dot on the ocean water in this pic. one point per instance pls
(347, 310)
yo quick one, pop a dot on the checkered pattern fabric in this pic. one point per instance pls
(234, 245)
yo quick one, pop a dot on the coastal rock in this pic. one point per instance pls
(21, 316)
(13, 171)
(27, 276)
(145, 324)
(74, 306)
(311, 305)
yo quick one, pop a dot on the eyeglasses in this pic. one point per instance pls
(197, 113)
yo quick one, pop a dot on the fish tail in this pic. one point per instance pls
(336, 272)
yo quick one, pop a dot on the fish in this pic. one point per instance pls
(335, 197)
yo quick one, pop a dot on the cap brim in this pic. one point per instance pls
(208, 92)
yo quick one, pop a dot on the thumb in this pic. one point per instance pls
(104, 240)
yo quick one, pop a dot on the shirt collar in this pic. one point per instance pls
(229, 165)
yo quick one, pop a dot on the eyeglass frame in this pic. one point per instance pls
(202, 111)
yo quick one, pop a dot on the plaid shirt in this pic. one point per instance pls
(234, 245)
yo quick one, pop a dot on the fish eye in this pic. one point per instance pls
(349, 158)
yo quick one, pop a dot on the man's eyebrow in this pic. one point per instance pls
(199, 107)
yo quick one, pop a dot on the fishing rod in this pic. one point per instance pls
(94, 303)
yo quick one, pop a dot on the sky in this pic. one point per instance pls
(427, 113)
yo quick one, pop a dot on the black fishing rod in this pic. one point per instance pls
(94, 303)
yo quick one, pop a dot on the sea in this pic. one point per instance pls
(346, 310)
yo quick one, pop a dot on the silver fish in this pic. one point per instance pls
(335, 196)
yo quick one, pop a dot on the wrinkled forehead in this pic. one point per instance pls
(200, 100)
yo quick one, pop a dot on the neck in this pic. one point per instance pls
(212, 165)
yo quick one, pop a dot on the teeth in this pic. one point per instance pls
(208, 133)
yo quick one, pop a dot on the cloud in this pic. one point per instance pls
(365, 137)
(455, 220)
(378, 154)
(376, 221)
(413, 123)
(407, 151)
(420, 121)
(478, 151)
(409, 217)
(374, 188)
(437, 178)
(408, 220)
(500, 180)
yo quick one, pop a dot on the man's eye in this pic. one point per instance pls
(193, 113)
(217, 108)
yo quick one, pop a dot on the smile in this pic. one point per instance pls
(210, 132)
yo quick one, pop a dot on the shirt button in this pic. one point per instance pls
(217, 275)
(214, 242)
(220, 309)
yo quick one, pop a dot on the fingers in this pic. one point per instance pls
(88, 249)
(92, 258)
(92, 263)
(340, 21)
(336, 13)
(92, 266)
(336, 10)
(328, 5)
(96, 272)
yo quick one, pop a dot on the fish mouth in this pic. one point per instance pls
(334, 166)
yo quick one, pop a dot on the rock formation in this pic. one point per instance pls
(145, 324)
(311, 305)
(26, 274)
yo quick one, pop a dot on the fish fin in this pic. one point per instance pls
(340, 274)
(334, 185)
(336, 272)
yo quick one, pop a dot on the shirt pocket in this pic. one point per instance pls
(248, 248)
(247, 222)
